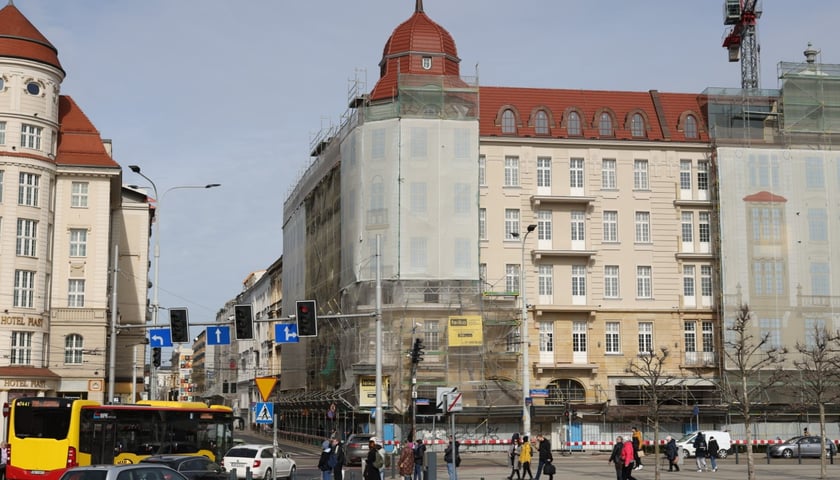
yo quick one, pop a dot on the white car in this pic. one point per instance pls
(259, 459)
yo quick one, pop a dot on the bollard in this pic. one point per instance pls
(431, 467)
(248, 474)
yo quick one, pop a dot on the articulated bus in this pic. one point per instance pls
(47, 435)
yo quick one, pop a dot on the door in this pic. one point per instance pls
(104, 443)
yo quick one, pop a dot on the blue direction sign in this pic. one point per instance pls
(219, 335)
(286, 333)
(264, 412)
(160, 337)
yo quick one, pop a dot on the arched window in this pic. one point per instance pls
(564, 391)
(573, 125)
(605, 127)
(73, 349)
(637, 126)
(541, 123)
(508, 122)
(690, 127)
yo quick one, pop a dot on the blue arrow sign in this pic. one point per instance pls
(286, 333)
(218, 335)
(264, 412)
(160, 337)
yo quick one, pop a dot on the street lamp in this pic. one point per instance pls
(526, 372)
(155, 285)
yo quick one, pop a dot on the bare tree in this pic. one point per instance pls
(659, 388)
(753, 366)
(817, 367)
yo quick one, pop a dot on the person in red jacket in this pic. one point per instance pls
(628, 455)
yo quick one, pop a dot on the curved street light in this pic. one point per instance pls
(526, 372)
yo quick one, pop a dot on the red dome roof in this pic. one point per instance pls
(412, 40)
(20, 39)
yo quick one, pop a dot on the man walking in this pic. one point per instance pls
(700, 451)
(544, 450)
(615, 458)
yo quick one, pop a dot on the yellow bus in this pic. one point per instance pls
(48, 435)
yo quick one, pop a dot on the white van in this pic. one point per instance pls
(686, 443)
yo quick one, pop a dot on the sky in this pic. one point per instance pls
(233, 91)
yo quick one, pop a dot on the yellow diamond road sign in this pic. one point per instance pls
(265, 386)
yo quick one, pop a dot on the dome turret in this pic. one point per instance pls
(20, 39)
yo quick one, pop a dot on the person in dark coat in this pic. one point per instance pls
(700, 449)
(451, 455)
(671, 452)
(615, 458)
(323, 463)
(340, 457)
(371, 472)
(544, 450)
(419, 458)
(713, 452)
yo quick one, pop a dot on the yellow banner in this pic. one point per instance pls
(466, 331)
(367, 390)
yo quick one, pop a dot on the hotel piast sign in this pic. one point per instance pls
(24, 383)
(21, 321)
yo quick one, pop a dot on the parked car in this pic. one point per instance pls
(805, 446)
(191, 466)
(124, 471)
(357, 448)
(259, 459)
(686, 443)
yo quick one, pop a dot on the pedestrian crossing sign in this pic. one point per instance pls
(265, 412)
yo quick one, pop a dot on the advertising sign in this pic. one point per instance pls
(465, 331)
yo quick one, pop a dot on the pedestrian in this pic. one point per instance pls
(419, 458)
(324, 462)
(638, 442)
(672, 452)
(406, 461)
(340, 457)
(713, 452)
(452, 457)
(544, 451)
(615, 458)
(700, 451)
(372, 463)
(628, 459)
(525, 458)
(515, 454)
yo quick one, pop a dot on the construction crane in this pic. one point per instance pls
(741, 39)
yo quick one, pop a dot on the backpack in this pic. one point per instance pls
(379, 461)
(332, 461)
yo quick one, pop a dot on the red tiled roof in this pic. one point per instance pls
(79, 142)
(20, 39)
(29, 372)
(765, 197)
(557, 103)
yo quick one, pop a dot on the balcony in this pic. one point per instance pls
(538, 200)
(699, 360)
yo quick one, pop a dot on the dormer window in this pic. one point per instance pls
(637, 126)
(690, 127)
(33, 88)
(427, 63)
(541, 123)
(573, 125)
(605, 125)
(508, 122)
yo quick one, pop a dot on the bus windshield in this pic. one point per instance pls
(48, 418)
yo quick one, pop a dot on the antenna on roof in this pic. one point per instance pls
(418, 7)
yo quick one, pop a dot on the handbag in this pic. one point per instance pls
(549, 469)
(641, 453)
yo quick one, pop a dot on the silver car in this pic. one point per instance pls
(134, 471)
(801, 446)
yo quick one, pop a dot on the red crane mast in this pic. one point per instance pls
(741, 39)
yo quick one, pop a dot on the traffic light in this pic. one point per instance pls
(244, 322)
(307, 318)
(179, 325)
(417, 351)
(156, 356)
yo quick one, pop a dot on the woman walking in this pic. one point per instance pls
(525, 458)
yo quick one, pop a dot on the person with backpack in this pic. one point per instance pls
(340, 459)
(406, 461)
(419, 458)
(713, 452)
(373, 462)
(700, 451)
(324, 462)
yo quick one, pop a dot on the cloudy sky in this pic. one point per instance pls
(232, 91)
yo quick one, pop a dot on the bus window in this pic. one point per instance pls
(49, 420)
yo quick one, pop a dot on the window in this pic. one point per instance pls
(482, 274)
(419, 142)
(688, 280)
(544, 224)
(546, 337)
(685, 174)
(511, 171)
(76, 293)
(417, 198)
(79, 195)
(30, 136)
(708, 337)
(820, 279)
(28, 189)
(814, 328)
(546, 280)
(576, 173)
(690, 336)
(462, 199)
(578, 280)
(543, 171)
(704, 228)
(463, 253)
(610, 226)
(706, 280)
(73, 346)
(642, 227)
(643, 282)
(645, 337)
(817, 224)
(772, 329)
(33, 88)
(611, 281)
(579, 336)
(78, 242)
(814, 173)
(605, 125)
(612, 338)
(508, 122)
(463, 141)
(377, 149)
(512, 278)
(577, 226)
(608, 174)
(482, 224)
(573, 125)
(21, 348)
(24, 289)
(703, 176)
(640, 175)
(2, 132)
(690, 126)
(768, 276)
(511, 224)
(763, 171)
(27, 234)
(419, 252)
(637, 126)
(687, 226)
(431, 334)
(541, 123)
(1, 186)
(482, 170)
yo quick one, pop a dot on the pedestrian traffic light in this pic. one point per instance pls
(179, 325)
(307, 318)
(244, 322)
(417, 351)
(156, 356)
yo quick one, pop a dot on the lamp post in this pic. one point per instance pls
(526, 367)
(155, 285)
